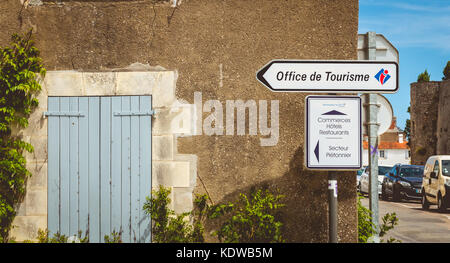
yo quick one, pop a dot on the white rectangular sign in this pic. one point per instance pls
(333, 132)
(330, 76)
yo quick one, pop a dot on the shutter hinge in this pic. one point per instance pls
(64, 114)
(135, 113)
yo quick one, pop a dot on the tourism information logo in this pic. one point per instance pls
(382, 76)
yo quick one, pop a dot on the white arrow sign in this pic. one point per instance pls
(350, 76)
(333, 132)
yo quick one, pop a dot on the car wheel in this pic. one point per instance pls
(395, 195)
(425, 204)
(441, 204)
(383, 194)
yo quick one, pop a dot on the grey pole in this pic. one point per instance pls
(332, 207)
(372, 108)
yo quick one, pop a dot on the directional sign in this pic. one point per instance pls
(333, 132)
(349, 76)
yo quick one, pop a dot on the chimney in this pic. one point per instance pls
(400, 137)
(393, 123)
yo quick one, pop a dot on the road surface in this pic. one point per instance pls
(415, 225)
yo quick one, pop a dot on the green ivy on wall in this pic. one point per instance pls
(20, 67)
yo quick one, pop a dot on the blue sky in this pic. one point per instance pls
(420, 30)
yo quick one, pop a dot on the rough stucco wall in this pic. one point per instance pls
(424, 119)
(443, 127)
(197, 39)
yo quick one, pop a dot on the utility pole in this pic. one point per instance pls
(372, 108)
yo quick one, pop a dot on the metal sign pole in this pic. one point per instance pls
(372, 129)
(332, 207)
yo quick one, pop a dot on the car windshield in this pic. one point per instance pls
(446, 167)
(411, 172)
(382, 170)
(360, 171)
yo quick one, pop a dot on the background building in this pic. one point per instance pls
(392, 147)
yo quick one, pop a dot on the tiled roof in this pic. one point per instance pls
(389, 145)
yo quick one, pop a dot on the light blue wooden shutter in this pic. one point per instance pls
(99, 166)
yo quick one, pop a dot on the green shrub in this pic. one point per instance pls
(115, 237)
(19, 68)
(43, 237)
(366, 228)
(389, 221)
(251, 219)
(168, 227)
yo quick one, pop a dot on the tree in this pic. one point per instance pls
(446, 71)
(423, 77)
(408, 128)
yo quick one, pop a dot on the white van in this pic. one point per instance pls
(436, 182)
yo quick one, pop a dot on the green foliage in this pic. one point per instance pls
(446, 71)
(57, 238)
(389, 221)
(251, 219)
(408, 128)
(421, 150)
(19, 68)
(115, 237)
(168, 227)
(366, 228)
(200, 215)
(423, 77)
(43, 237)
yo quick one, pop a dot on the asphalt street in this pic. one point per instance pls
(415, 225)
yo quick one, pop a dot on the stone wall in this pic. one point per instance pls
(424, 117)
(443, 124)
(216, 47)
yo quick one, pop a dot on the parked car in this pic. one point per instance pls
(358, 176)
(364, 180)
(404, 181)
(436, 182)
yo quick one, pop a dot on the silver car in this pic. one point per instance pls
(358, 176)
(364, 179)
